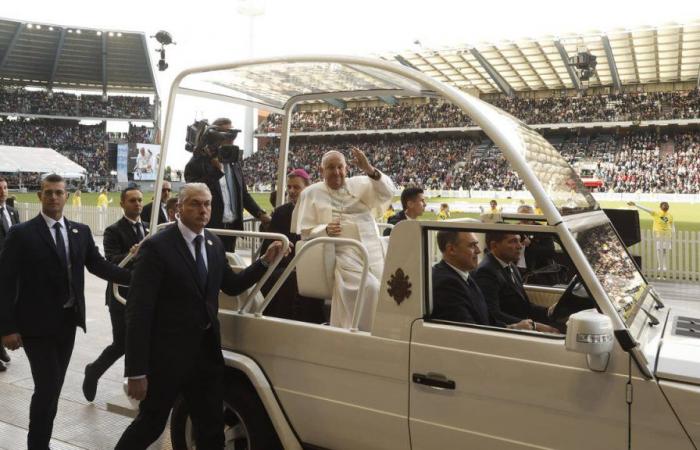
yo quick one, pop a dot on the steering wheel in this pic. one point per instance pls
(574, 299)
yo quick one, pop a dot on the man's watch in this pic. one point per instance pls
(375, 175)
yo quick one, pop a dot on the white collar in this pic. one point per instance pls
(188, 234)
(133, 222)
(462, 273)
(50, 221)
(500, 261)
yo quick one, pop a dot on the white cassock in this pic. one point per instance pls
(356, 205)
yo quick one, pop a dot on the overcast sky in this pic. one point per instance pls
(215, 32)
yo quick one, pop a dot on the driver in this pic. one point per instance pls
(499, 280)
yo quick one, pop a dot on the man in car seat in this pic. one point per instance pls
(499, 280)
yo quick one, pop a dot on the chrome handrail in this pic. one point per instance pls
(220, 232)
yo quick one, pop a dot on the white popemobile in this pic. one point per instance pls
(625, 375)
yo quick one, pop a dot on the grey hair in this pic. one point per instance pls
(329, 154)
(525, 209)
(189, 189)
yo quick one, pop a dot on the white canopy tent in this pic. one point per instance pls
(38, 160)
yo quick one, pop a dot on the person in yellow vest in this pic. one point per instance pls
(102, 202)
(663, 232)
(77, 204)
(388, 213)
(76, 201)
(444, 212)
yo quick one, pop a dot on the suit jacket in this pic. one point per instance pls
(396, 218)
(117, 241)
(146, 214)
(167, 311)
(458, 301)
(281, 222)
(200, 170)
(14, 219)
(35, 284)
(507, 301)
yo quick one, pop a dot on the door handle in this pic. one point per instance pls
(434, 380)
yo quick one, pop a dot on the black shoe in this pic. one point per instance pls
(3, 354)
(90, 383)
(2, 367)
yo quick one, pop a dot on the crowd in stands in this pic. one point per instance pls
(635, 162)
(21, 101)
(83, 144)
(436, 114)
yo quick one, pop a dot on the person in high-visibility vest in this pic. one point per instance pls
(663, 232)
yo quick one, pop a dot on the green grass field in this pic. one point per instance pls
(686, 215)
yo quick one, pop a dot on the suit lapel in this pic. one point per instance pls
(211, 257)
(73, 242)
(480, 309)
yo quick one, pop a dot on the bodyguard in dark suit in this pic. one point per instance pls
(8, 217)
(227, 186)
(413, 204)
(502, 285)
(42, 300)
(120, 238)
(162, 214)
(287, 303)
(456, 297)
(172, 310)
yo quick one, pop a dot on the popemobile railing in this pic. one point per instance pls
(239, 234)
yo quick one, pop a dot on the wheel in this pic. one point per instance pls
(246, 424)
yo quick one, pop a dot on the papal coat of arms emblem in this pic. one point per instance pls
(399, 286)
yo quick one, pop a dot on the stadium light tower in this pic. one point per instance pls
(250, 9)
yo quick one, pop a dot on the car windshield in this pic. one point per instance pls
(614, 268)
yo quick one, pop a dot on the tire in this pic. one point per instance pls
(247, 426)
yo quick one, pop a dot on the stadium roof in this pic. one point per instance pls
(37, 160)
(74, 57)
(662, 54)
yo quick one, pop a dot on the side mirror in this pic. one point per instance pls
(591, 333)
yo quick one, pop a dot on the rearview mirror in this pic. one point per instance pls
(591, 333)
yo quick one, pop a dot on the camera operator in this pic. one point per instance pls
(215, 162)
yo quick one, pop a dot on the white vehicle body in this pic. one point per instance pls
(334, 388)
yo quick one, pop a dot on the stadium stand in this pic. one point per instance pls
(17, 100)
(635, 161)
(40, 64)
(594, 108)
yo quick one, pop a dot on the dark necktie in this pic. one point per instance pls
(199, 260)
(139, 231)
(5, 223)
(61, 245)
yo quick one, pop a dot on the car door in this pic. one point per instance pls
(481, 387)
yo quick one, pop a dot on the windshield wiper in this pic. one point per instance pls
(657, 299)
(653, 321)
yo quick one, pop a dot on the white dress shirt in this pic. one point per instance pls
(64, 232)
(6, 213)
(461, 273)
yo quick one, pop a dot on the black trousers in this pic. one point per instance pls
(199, 379)
(115, 350)
(48, 358)
(230, 241)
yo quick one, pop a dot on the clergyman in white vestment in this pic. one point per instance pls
(348, 208)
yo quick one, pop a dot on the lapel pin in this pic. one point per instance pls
(209, 242)
(75, 230)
